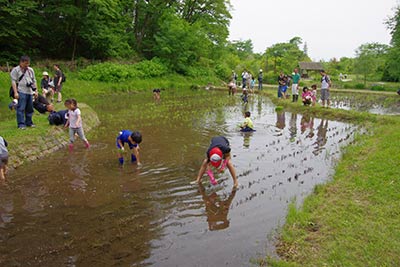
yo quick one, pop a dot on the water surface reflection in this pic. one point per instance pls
(83, 209)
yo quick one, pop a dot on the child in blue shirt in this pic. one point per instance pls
(133, 139)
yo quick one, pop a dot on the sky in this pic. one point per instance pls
(334, 28)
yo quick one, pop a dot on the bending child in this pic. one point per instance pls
(218, 156)
(75, 123)
(133, 139)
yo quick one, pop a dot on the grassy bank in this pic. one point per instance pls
(354, 219)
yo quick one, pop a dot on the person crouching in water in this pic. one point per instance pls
(247, 125)
(133, 139)
(75, 123)
(306, 96)
(218, 156)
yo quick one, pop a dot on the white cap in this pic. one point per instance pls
(260, 70)
(45, 73)
(215, 158)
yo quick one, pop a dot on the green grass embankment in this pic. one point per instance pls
(353, 220)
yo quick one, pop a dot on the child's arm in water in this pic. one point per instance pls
(233, 172)
(202, 170)
(135, 151)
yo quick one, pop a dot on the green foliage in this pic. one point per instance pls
(285, 56)
(377, 87)
(392, 66)
(334, 67)
(180, 44)
(18, 29)
(370, 59)
(111, 72)
(359, 86)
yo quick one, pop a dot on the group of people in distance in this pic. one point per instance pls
(284, 81)
(25, 94)
(308, 97)
(52, 86)
(248, 84)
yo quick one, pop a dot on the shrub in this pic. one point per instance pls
(377, 87)
(359, 86)
(112, 72)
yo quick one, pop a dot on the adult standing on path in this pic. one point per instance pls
(260, 79)
(24, 85)
(295, 85)
(325, 85)
(58, 82)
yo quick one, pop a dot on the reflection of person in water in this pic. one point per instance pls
(280, 119)
(246, 139)
(307, 122)
(217, 209)
(321, 136)
(293, 127)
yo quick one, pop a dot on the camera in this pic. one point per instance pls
(30, 84)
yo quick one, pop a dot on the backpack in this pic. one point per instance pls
(57, 118)
(63, 78)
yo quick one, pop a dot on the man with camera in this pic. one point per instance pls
(23, 82)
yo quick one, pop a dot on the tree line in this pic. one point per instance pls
(180, 32)
(184, 35)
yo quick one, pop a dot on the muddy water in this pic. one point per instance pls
(373, 103)
(82, 209)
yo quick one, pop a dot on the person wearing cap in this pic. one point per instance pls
(47, 86)
(217, 156)
(260, 79)
(133, 139)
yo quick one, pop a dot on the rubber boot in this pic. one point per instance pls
(297, 97)
(133, 158)
(71, 147)
(121, 161)
(212, 179)
(293, 98)
(87, 145)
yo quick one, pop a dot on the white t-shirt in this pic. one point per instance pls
(73, 118)
(325, 82)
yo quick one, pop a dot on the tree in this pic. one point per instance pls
(370, 58)
(179, 44)
(285, 56)
(392, 66)
(19, 32)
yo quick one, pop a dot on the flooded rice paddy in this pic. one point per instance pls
(82, 209)
(372, 103)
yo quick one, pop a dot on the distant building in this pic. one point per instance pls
(306, 67)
